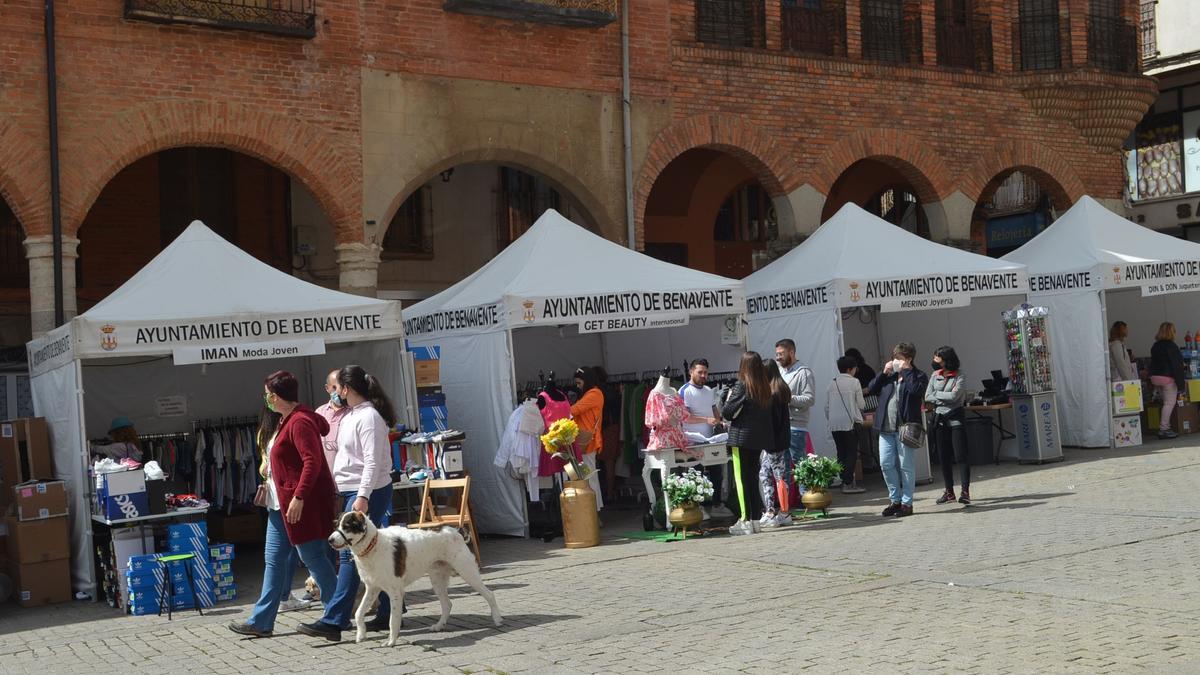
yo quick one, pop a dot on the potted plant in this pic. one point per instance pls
(684, 493)
(815, 473)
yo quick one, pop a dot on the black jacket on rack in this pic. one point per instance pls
(751, 426)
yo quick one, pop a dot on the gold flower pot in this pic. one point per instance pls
(685, 516)
(816, 499)
(581, 523)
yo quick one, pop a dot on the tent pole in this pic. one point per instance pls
(85, 458)
(1112, 439)
(512, 368)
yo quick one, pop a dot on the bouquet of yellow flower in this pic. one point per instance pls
(557, 442)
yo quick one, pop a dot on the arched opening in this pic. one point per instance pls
(254, 205)
(885, 189)
(708, 210)
(1014, 207)
(459, 219)
(14, 282)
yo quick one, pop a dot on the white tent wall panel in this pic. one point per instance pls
(548, 348)
(476, 378)
(636, 351)
(1079, 355)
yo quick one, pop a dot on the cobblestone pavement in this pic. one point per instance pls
(1084, 566)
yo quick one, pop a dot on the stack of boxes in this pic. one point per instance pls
(193, 538)
(221, 556)
(38, 543)
(431, 402)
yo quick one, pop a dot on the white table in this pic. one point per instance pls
(178, 513)
(665, 459)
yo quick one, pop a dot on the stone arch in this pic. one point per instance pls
(557, 176)
(22, 185)
(908, 154)
(304, 150)
(764, 156)
(1053, 172)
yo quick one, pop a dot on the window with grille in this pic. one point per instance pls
(964, 38)
(410, 234)
(1038, 31)
(523, 199)
(1149, 29)
(731, 23)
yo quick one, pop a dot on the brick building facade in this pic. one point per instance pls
(318, 126)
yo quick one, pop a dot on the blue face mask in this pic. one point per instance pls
(335, 399)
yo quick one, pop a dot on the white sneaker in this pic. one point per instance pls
(837, 482)
(743, 527)
(769, 521)
(782, 519)
(721, 511)
(294, 603)
(704, 512)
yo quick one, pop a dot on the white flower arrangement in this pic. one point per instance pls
(691, 487)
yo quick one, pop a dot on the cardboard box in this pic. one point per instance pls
(1127, 431)
(428, 373)
(24, 454)
(36, 541)
(218, 552)
(127, 543)
(36, 500)
(1193, 390)
(43, 583)
(122, 495)
(1184, 420)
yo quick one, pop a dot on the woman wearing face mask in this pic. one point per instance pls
(362, 471)
(945, 392)
(901, 391)
(300, 507)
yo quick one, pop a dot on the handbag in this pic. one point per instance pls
(912, 434)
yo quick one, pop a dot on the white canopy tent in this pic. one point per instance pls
(176, 333)
(857, 261)
(556, 298)
(1092, 264)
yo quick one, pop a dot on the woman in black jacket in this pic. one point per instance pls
(773, 479)
(751, 426)
(901, 391)
(1167, 374)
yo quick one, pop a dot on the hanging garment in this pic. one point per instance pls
(664, 417)
(552, 411)
(521, 452)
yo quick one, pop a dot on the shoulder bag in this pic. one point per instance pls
(912, 434)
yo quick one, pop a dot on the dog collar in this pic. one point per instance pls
(371, 546)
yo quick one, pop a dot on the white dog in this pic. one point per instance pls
(391, 558)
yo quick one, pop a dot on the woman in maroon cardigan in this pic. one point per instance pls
(300, 503)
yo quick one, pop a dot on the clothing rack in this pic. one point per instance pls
(223, 422)
(156, 437)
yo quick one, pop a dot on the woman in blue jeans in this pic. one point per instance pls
(901, 391)
(300, 506)
(362, 469)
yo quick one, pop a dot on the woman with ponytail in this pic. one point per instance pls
(362, 469)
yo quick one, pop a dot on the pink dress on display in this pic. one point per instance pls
(552, 411)
(664, 417)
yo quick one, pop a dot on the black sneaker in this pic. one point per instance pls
(322, 630)
(947, 496)
(378, 623)
(1167, 434)
(964, 498)
(244, 628)
(892, 510)
(905, 510)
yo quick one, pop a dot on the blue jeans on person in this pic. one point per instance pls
(797, 449)
(900, 482)
(280, 567)
(341, 604)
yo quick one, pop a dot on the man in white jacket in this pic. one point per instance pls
(843, 411)
(799, 379)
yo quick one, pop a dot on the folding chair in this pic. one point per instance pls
(461, 518)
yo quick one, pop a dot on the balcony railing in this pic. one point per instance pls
(731, 23)
(1040, 42)
(296, 18)
(810, 30)
(557, 12)
(891, 31)
(964, 41)
(1112, 44)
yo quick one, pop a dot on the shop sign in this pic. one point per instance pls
(249, 351)
(137, 337)
(614, 324)
(937, 291)
(1013, 231)
(667, 305)
(477, 319)
(794, 300)
(1160, 278)
(50, 351)
(1061, 283)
